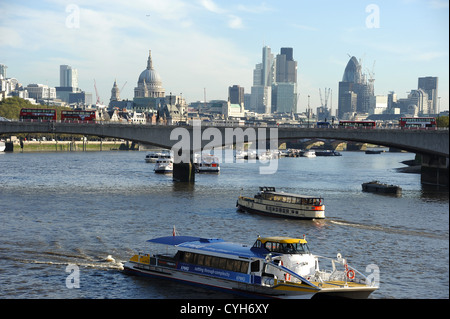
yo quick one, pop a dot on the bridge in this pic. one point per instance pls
(433, 145)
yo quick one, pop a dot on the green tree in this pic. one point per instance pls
(10, 107)
(442, 121)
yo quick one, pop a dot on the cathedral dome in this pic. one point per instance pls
(149, 82)
(149, 75)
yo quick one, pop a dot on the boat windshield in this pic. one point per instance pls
(285, 248)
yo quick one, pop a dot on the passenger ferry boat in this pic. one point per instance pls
(280, 204)
(206, 163)
(163, 166)
(276, 267)
(152, 157)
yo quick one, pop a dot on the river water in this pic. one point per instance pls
(96, 209)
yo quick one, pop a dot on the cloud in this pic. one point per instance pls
(255, 8)
(211, 6)
(234, 22)
(439, 4)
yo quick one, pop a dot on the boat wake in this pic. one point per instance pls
(391, 230)
(106, 263)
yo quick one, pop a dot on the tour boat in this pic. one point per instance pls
(280, 204)
(308, 153)
(163, 166)
(274, 267)
(154, 156)
(206, 163)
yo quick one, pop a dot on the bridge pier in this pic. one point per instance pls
(184, 172)
(434, 170)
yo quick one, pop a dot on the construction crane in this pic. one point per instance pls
(324, 101)
(96, 93)
(123, 86)
(371, 73)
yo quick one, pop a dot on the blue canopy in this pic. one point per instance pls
(211, 245)
(177, 240)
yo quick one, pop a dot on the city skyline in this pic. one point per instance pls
(215, 44)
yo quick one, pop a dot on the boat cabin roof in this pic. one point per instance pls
(271, 190)
(282, 240)
(211, 246)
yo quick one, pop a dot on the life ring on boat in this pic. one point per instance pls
(351, 274)
(287, 277)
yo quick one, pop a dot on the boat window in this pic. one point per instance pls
(208, 261)
(257, 244)
(200, 259)
(254, 266)
(188, 258)
(214, 262)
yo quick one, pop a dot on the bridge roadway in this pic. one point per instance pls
(427, 142)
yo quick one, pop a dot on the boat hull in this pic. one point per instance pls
(269, 209)
(375, 187)
(281, 291)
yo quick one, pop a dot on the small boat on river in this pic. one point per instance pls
(377, 187)
(152, 157)
(274, 267)
(206, 163)
(280, 204)
(327, 153)
(163, 166)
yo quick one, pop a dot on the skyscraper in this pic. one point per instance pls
(286, 67)
(68, 77)
(3, 70)
(236, 94)
(263, 76)
(429, 85)
(354, 81)
(284, 90)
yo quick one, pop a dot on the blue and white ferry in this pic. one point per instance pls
(274, 267)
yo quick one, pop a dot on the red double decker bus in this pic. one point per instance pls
(78, 116)
(417, 123)
(357, 124)
(37, 114)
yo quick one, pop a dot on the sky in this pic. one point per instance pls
(203, 46)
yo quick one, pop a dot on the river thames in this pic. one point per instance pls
(96, 209)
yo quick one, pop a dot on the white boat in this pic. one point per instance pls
(274, 267)
(206, 163)
(153, 156)
(2, 146)
(280, 204)
(308, 153)
(164, 166)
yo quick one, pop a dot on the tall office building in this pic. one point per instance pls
(263, 77)
(286, 67)
(284, 90)
(355, 92)
(429, 85)
(236, 94)
(68, 77)
(3, 70)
